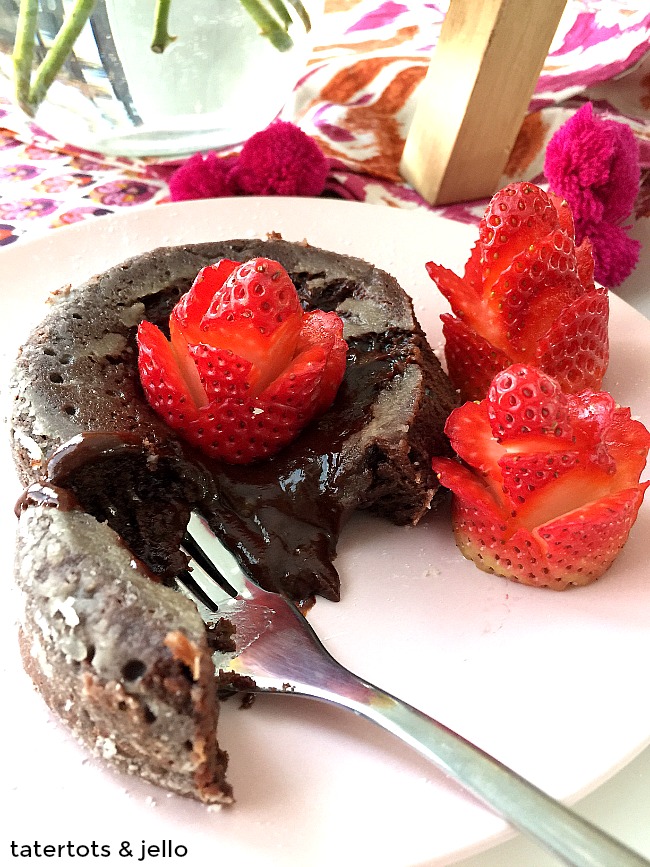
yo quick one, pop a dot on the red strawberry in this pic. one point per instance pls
(325, 331)
(549, 488)
(166, 389)
(525, 474)
(517, 217)
(193, 306)
(254, 310)
(522, 400)
(527, 295)
(471, 358)
(246, 369)
(575, 348)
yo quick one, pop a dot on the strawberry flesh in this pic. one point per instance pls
(245, 369)
(193, 306)
(523, 400)
(575, 348)
(470, 356)
(527, 295)
(166, 388)
(549, 484)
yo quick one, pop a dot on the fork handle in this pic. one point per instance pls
(557, 828)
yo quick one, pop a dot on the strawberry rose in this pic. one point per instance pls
(527, 295)
(549, 485)
(245, 369)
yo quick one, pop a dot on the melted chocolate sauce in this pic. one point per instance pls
(143, 490)
(88, 447)
(46, 495)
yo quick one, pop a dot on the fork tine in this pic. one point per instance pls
(186, 585)
(201, 543)
(202, 563)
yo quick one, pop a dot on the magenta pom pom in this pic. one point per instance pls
(594, 164)
(281, 160)
(203, 176)
(615, 253)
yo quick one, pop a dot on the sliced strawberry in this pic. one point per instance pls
(525, 284)
(470, 435)
(325, 330)
(583, 483)
(185, 362)
(251, 367)
(473, 275)
(550, 487)
(165, 387)
(573, 550)
(193, 306)
(524, 475)
(575, 349)
(534, 289)
(462, 295)
(259, 290)
(224, 375)
(468, 487)
(482, 531)
(594, 413)
(524, 401)
(257, 315)
(241, 432)
(564, 214)
(518, 217)
(582, 545)
(297, 388)
(240, 429)
(585, 260)
(627, 442)
(472, 360)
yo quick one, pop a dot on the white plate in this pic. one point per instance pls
(555, 685)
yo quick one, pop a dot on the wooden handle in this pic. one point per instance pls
(474, 98)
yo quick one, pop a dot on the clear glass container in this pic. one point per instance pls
(213, 86)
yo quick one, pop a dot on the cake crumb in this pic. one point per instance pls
(59, 293)
(106, 747)
(30, 445)
(185, 651)
(67, 611)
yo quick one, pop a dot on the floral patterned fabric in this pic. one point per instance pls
(356, 99)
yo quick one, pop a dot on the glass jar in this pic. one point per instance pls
(214, 85)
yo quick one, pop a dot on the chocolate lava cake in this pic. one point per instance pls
(115, 651)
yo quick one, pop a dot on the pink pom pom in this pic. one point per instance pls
(594, 164)
(281, 160)
(203, 176)
(615, 253)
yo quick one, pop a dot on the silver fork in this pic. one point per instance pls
(278, 649)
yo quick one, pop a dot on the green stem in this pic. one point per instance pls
(282, 12)
(302, 13)
(268, 25)
(23, 54)
(59, 51)
(161, 37)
